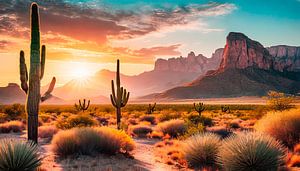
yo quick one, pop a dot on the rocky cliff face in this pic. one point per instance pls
(241, 52)
(286, 58)
(191, 63)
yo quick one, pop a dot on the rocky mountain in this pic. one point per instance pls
(166, 74)
(12, 93)
(246, 69)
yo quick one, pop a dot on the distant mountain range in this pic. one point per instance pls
(242, 68)
(246, 69)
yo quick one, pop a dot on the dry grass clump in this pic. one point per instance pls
(3, 117)
(284, 126)
(88, 141)
(251, 151)
(12, 126)
(148, 118)
(47, 131)
(140, 130)
(71, 121)
(156, 134)
(17, 155)
(171, 153)
(174, 127)
(201, 150)
(166, 115)
(222, 131)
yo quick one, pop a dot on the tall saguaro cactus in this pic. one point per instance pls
(119, 98)
(82, 106)
(36, 73)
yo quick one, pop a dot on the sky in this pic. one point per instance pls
(85, 36)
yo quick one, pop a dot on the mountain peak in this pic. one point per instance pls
(241, 52)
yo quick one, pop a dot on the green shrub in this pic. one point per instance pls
(201, 150)
(14, 111)
(148, 118)
(283, 126)
(72, 121)
(166, 115)
(192, 129)
(251, 151)
(174, 127)
(88, 141)
(279, 101)
(17, 155)
(197, 119)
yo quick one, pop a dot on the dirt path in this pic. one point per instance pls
(144, 152)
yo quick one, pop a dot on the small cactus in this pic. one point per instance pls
(151, 108)
(225, 108)
(199, 107)
(119, 97)
(82, 106)
(31, 83)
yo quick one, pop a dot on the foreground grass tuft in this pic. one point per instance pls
(200, 150)
(16, 155)
(284, 126)
(174, 127)
(251, 151)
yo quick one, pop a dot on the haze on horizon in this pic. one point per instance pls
(85, 36)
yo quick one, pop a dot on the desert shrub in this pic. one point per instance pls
(201, 150)
(251, 151)
(222, 131)
(192, 129)
(14, 111)
(197, 119)
(140, 130)
(47, 117)
(174, 127)
(17, 155)
(234, 124)
(88, 141)
(166, 115)
(284, 126)
(148, 118)
(156, 134)
(279, 101)
(294, 161)
(47, 131)
(12, 126)
(75, 121)
(3, 117)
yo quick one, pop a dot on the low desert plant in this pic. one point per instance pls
(166, 115)
(251, 151)
(3, 117)
(197, 119)
(192, 129)
(201, 150)
(88, 141)
(14, 111)
(222, 131)
(140, 130)
(174, 127)
(148, 118)
(47, 131)
(17, 155)
(12, 126)
(284, 126)
(279, 101)
(81, 120)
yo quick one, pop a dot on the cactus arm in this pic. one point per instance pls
(126, 100)
(88, 105)
(113, 101)
(43, 59)
(23, 73)
(48, 94)
(83, 106)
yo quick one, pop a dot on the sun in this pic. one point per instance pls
(80, 71)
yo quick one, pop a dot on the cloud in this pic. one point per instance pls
(75, 28)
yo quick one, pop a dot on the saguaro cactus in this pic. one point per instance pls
(36, 73)
(82, 106)
(199, 107)
(151, 108)
(119, 98)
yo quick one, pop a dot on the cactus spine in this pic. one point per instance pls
(199, 107)
(151, 108)
(82, 106)
(119, 97)
(36, 73)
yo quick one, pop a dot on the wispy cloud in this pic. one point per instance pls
(71, 26)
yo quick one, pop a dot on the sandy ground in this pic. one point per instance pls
(142, 158)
